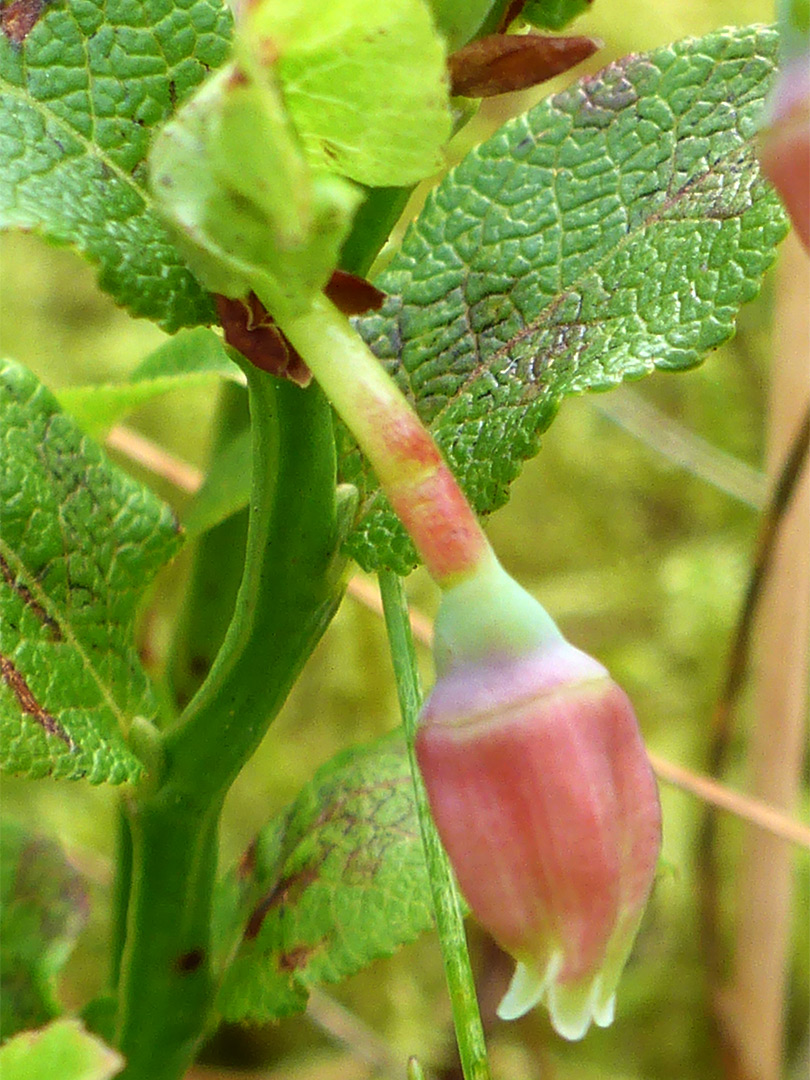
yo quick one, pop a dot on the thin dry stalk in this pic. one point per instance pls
(722, 725)
(682, 447)
(148, 454)
(754, 1007)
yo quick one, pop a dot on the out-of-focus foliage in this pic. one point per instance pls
(43, 907)
(64, 1049)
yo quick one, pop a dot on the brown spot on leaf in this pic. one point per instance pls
(33, 605)
(247, 864)
(296, 958)
(189, 962)
(501, 63)
(252, 330)
(268, 52)
(198, 666)
(285, 890)
(19, 17)
(237, 78)
(29, 704)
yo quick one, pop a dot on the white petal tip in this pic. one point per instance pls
(573, 1008)
(604, 1012)
(525, 991)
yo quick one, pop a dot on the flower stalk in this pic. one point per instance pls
(413, 474)
(447, 904)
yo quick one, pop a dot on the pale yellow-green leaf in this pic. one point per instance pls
(63, 1049)
(365, 84)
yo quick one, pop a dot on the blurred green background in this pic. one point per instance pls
(642, 563)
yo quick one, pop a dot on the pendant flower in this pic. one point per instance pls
(544, 798)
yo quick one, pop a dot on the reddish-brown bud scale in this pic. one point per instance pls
(545, 801)
(502, 63)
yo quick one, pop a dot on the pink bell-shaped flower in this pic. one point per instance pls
(785, 143)
(545, 801)
(784, 146)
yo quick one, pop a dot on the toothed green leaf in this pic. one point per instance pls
(611, 231)
(79, 542)
(334, 883)
(80, 98)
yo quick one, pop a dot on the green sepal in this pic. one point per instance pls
(489, 615)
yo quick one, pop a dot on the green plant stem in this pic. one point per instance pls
(167, 982)
(446, 898)
(291, 586)
(372, 226)
(219, 556)
(122, 885)
(216, 572)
